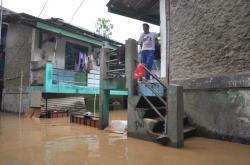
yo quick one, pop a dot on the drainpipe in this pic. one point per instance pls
(168, 39)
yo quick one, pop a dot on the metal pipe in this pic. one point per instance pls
(116, 64)
(21, 91)
(111, 60)
(115, 70)
(168, 39)
(155, 77)
(113, 52)
(116, 73)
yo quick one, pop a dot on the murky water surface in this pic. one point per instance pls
(56, 141)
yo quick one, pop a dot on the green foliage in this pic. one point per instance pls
(104, 27)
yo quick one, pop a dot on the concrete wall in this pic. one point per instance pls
(11, 101)
(22, 47)
(210, 39)
(221, 114)
(136, 125)
(17, 59)
(46, 52)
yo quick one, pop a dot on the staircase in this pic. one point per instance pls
(154, 104)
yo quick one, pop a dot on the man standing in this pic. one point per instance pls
(147, 44)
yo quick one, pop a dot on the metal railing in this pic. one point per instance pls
(148, 85)
(62, 76)
(116, 68)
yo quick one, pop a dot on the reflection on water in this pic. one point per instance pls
(118, 115)
(56, 141)
(66, 144)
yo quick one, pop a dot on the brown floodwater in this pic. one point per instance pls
(57, 141)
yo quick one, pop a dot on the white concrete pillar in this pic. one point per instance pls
(164, 26)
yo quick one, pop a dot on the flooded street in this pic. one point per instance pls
(56, 141)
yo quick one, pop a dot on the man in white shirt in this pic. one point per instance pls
(147, 44)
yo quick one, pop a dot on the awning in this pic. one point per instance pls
(144, 10)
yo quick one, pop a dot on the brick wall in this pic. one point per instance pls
(209, 38)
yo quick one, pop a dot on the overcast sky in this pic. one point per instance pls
(86, 16)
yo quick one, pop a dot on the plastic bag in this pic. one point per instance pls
(117, 126)
(139, 71)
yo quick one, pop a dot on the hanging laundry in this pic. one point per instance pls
(81, 61)
(85, 62)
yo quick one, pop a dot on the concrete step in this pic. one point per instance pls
(189, 131)
(156, 126)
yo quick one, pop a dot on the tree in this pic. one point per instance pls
(104, 27)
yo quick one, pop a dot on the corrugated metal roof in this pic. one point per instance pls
(144, 10)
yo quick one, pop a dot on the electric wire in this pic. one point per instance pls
(76, 11)
(43, 8)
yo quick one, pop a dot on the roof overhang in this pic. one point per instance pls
(61, 28)
(66, 33)
(144, 10)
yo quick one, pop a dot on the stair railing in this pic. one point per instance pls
(158, 96)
